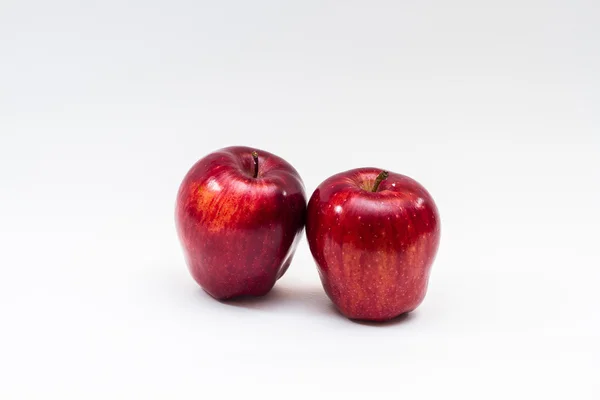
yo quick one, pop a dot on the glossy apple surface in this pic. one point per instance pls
(239, 231)
(373, 250)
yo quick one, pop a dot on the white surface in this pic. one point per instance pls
(104, 107)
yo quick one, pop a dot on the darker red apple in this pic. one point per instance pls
(240, 213)
(374, 237)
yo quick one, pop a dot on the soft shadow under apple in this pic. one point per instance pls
(293, 299)
(400, 319)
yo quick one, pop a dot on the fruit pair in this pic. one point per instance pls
(373, 234)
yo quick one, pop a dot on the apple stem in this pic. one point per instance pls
(255, 157)
(382, 175)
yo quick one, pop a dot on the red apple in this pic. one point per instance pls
(240, 214)
(374, 236)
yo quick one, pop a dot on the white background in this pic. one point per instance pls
(104, 105)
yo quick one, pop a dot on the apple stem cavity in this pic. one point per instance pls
(255, 157)
(382, 175)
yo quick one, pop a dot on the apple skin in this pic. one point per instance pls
(373, 250)
(239, 233)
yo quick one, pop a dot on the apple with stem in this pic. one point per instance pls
(374, 236)
(239, 215)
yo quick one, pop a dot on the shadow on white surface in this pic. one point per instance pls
(290, 299)
(399, 320)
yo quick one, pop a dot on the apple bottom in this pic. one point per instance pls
(258, 287)
(369, 311)
(226, 282)
(370, 298)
